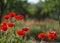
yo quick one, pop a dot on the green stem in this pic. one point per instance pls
(42, 41)
(6, 34)
(19, 39)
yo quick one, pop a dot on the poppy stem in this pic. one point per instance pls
(14, 30)
(20, 39)
(6, 36)
(42, 41)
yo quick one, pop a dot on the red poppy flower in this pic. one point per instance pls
(53, 32)
(12, 14)
(11, 24)
(4, 28)
(19, 17)
(4, 24)
(50, 36)
(6, 17)
(20, 32)
(42, 35)
(26, 29)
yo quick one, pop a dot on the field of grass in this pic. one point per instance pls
(31, 36)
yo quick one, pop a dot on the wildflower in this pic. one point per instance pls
(19, 17)
(20, 32)
(42, 35)
(4, 24)
(26, 28)
(4, 28)
(11, 24)
(52, 34)
(12, 14)
(6, 17)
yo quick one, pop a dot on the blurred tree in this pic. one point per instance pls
(50, 7)
(12, 5)
(46, 8)
(3, 5)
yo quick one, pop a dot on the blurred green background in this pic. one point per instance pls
(39, 9)
(36, 15)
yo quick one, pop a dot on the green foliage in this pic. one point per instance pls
(47, 6)
(32, 9)
(30, 41)
(23, 6)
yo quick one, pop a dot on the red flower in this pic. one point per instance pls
(4, 28)
(42, 35)
(4, 24)
(26, 29)
(52, 34)
(19, 17)
(20, 32)
(12, 14)
(6, 17)
(11, 24)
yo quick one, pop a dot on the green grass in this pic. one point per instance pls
(35, 29)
